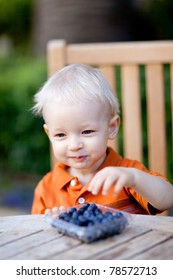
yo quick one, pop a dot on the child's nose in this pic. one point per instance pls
(75, 144)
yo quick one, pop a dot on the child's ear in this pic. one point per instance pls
(114, 127)
(46, 129)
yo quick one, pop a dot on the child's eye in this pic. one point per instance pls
(60, 135)
(89, 131)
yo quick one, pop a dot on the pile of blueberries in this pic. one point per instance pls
(89, 215)
(88, 223)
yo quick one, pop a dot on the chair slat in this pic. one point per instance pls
(109, 73)
(56, 60)
(131, 110)
(156, 118)
(56, 56)
(119, 53)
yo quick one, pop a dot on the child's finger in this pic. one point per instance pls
(119, 185)
(62, 209)
(107, 185)
(48, 212)
(92, 184)
(95, 185)
(55, 212)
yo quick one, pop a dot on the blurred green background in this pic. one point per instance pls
(24, 148)
(24, 151)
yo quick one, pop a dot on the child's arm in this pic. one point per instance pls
(157, 191)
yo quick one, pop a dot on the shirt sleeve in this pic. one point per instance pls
(141, 200)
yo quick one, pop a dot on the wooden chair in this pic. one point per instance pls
(132, 62)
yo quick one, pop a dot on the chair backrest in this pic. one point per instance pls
(149, 63)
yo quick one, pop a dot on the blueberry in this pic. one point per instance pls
(67, 219)
(75, 215)
(63, 215)
(92, 207)
(81, 210)
(72, 210)
(118, 214)
(91, 217)
(97, 211)
(86, 214)
(99, 217)
(77, 222)
(83, 221)
(85, 206)
(108, 214)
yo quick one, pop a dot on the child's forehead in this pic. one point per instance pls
(73, 117)
(65, 107)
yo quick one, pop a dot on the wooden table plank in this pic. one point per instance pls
(163, 251)
(163, 223)
(12, 249)
(46, 250)
(22, 222)
(15, 235)
(132, 248)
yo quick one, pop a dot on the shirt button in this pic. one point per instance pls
(81, 200)
(73, 183)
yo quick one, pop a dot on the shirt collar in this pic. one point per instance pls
(112, 159)
(61, 175)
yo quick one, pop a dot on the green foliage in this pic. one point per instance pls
(23, 145)
(16, 19)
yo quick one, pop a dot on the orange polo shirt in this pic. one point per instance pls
(58, 188)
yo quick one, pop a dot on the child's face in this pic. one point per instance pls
(78, 134)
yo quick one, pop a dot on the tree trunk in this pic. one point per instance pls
(80, 21)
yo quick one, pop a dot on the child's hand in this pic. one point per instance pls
(55, 211)
(109, 176)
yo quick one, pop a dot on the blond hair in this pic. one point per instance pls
(76, 83)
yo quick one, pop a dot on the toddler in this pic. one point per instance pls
(81, 114)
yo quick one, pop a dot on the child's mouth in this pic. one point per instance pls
(79, 158)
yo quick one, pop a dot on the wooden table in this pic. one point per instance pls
(29, 237)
